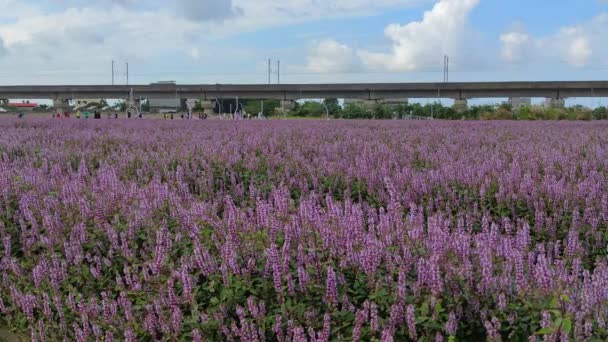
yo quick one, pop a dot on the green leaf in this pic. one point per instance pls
(554, 304)
(424, 310)
(567, 325)
(545, 331)
(438, 308)
(557, 324)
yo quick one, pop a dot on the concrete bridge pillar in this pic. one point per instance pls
(208, 107)
(61, 105)
(460, 105)
(286, 107)
(555, 103)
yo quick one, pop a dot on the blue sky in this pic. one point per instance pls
(229, 41)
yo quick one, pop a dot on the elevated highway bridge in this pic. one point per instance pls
(557, 91)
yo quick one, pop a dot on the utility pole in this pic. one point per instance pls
(127, 73)
(446, 68)
(278, 72)
(269, 69)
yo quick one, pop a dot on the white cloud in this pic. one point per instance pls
(331, 56)
(421, 44)
(3, 50)
(207, 10)
(195, 53)
(80, 36)
(515, 46)
(573, 45)
(577, 45)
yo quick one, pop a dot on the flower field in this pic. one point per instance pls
(303, 231)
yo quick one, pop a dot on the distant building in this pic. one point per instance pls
(24, 106)
(520, 102)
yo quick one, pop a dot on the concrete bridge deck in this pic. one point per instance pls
(289, 92)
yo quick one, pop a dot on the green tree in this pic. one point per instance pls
(333, 107)
(600, 113)
(309, 109)
(383, 112)
(120, 106)
(253, 107)
(416, 109)
(41, 108)
(356, 111)
(439, 111)
(479, 112)
(145, 106)
(198, 106)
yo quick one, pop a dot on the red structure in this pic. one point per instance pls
(23, 106)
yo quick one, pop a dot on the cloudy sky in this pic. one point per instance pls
(230, 41)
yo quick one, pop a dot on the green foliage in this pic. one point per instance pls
(356, 111)
(382, 112)
(333, 107)
(198, 107)
(309, 109)
(600, 113)
(253, 107)
(120, 106)
(41, 108)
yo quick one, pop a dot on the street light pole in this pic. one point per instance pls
(261, 114)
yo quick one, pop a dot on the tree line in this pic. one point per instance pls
(438, 111)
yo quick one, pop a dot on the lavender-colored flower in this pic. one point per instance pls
(452, 325)
(331, 287)
(196, 336)
(410, 319)
(124, 221)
